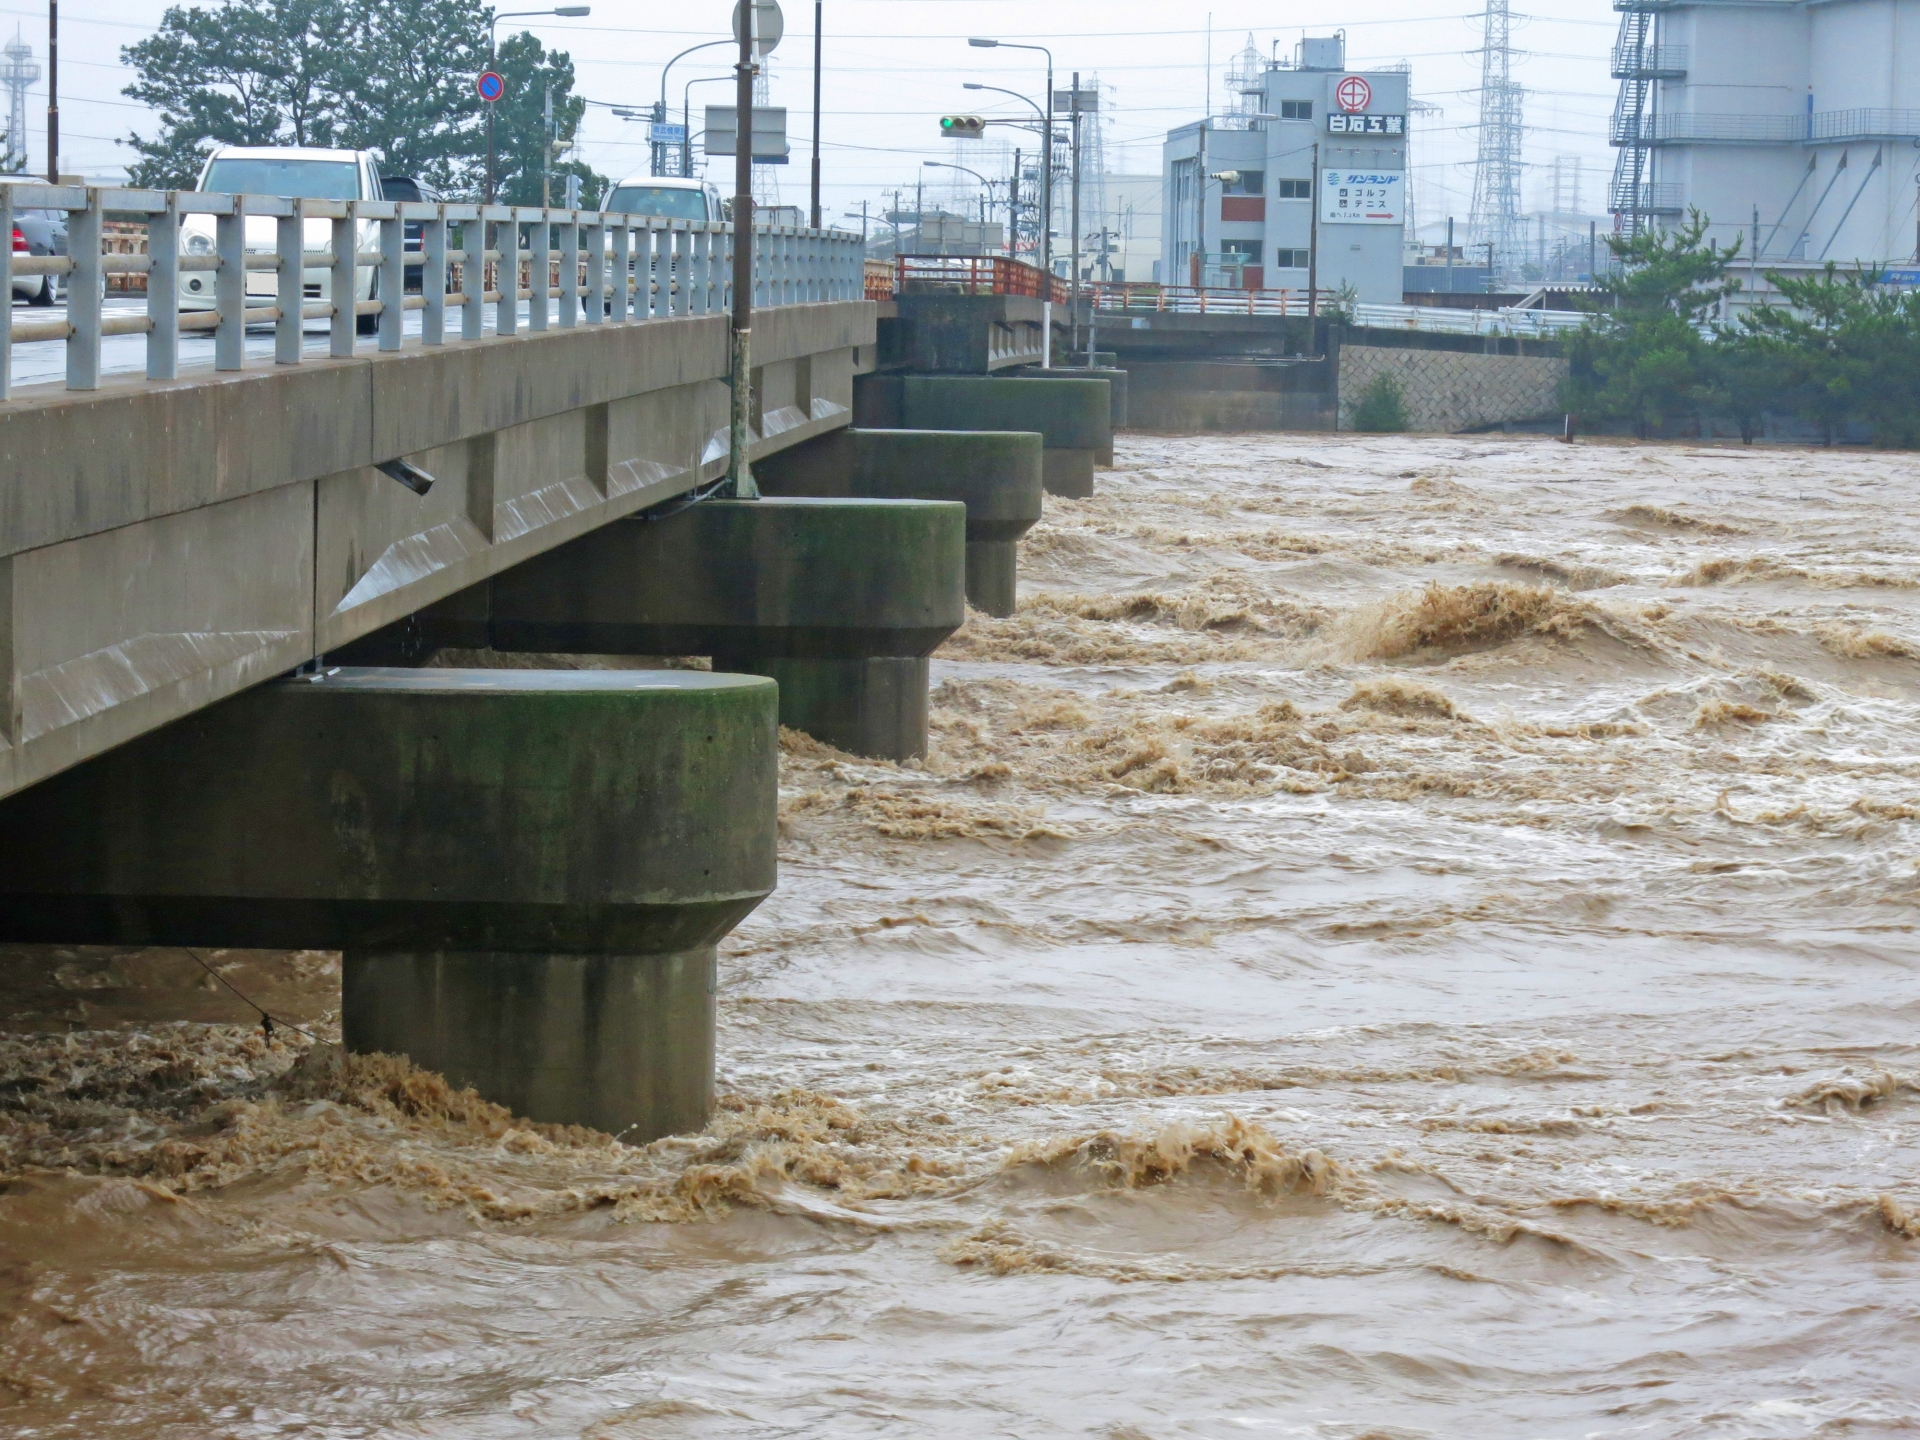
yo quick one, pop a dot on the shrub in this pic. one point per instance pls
(1382, 408)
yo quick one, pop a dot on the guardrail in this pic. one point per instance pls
(1445, 320)
(1203, 300)
(560, 261)
(976, 275)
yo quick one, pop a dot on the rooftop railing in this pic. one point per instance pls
(571, 267)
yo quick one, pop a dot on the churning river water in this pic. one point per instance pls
(1399, 936)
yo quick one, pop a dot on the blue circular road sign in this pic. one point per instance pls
(490, 86)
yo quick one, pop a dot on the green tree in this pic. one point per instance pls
(406, 90)
(1843, 348)
(393, 79)
(530, 70)
(1644, 357)
(249, 72)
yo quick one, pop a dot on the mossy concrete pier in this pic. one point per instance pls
(1074, 416)
(527, 871)
(840, 600)
(995, 474)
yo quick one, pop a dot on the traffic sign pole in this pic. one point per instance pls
(490, 87)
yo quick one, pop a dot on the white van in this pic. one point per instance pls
(293, 172)
(665, 196)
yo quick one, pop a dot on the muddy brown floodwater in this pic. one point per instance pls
(1398, 937)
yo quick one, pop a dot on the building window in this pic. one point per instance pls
(1289, 259)
(1294, 190)
(1248, 250)
(1296, 109)
(1251, 182)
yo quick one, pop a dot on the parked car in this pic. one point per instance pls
(297, 173)
(664, 195)
(405, 187)
(37, 232)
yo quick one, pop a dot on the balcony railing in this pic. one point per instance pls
(975, 275)
(1830, 125)
(1647, 199)
(572, 267)
(1649, 62)
(1693, 129)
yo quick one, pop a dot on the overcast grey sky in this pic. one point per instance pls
(893, 66)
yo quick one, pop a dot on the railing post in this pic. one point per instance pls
(622, 259)
(433, 278)
(539, 272)
(289, 241)
(683, 270)
(569, 248)
(595, 246)
(6, 311)
(83, 294)
(506, 310)
(393, 279)
(473, 277)
(163, 291)
(662, 269)
(343, 283)
(229, 287)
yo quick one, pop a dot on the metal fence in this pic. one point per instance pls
(573, 267)
(1444, 320)
(1203, 300)
(976, 275)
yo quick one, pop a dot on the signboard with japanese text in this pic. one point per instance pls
(1362, 197)
(1388, 126)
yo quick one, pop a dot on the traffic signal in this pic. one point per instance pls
(962, 127)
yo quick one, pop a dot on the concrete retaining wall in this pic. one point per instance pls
(1452, 390)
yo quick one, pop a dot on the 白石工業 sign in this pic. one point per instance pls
(1391, 126)
(1362, 197)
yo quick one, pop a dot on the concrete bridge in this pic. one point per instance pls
(527, 871)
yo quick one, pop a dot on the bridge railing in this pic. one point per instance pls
(1202, 300)
(572, 267)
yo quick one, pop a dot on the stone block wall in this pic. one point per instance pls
(1453, 390)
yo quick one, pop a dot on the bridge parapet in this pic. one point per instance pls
(572, 268)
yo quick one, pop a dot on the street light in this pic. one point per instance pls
(660, 111)
(943, 165)
(571, 12)
(980, 42)
(1013, 185)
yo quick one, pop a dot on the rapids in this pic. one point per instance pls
(1399, 936)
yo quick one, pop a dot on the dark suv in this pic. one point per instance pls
(405, 187)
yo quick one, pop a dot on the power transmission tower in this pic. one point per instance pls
(1495, 216)
(17, 72)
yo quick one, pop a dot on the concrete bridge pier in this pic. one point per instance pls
(995, 474)
(839, 600)
(1074, 416)
(1116, 379)
(527, 871)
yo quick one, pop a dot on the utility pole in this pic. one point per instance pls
(816, 114)
(53, 97)
(1200, 205)
(1013, 209)
(1313, 247)
(546, 146)
(740, 483)
(1449, 254)
(1073, 292)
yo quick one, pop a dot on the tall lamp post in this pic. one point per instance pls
(53, 99)
(816, 114)
(572, 12)
(1045, 194)
(660, 111)
(1046, 169)
(943, 165)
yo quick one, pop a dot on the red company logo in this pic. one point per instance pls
(1353, 93)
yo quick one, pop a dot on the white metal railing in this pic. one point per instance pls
(567, 264)
(1444, 320)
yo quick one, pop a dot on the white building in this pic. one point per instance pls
(1793, 121)
(1241, 191)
